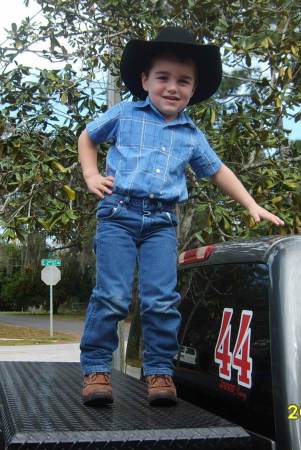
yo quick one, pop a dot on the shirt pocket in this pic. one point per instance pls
(182, 153)
(179, 160)
(128, 144)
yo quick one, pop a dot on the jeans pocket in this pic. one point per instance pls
(108, 209)
(172, 217)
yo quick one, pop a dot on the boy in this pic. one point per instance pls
(153, 140)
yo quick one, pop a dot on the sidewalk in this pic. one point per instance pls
(50, 353)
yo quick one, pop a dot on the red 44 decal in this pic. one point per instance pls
(240, 359)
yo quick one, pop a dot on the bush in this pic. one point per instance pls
(21, 290)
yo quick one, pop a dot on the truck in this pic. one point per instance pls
(240, 338)
(237, 370)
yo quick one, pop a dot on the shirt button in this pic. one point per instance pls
(151, 195)
(158, 170)
(163, 148)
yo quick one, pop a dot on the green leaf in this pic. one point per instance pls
(23, 219)
(291, 184)
(199, 237)
(71, 214)
(70, 192)
(9, 234)
(65, 218)
(59, 166)
(64, 97)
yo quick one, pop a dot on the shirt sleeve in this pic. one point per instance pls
(105, 127)
(204, 161)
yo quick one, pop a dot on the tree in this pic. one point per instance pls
(21, 286)
(44, 110)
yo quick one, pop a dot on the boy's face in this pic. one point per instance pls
(170, 85)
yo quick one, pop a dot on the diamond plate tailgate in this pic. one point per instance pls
(41, 409)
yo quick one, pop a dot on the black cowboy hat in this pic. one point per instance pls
(138, 54)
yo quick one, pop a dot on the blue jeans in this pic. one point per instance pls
(131, 231)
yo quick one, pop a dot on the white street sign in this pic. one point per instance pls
(51, 275)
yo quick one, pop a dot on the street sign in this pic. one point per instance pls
(51, 262)
(51, 275)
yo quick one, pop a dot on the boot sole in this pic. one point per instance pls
(162, 400)
(98, 400)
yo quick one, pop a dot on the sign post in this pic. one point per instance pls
(51, 311)
(51, 275)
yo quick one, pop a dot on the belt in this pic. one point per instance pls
(145, 203)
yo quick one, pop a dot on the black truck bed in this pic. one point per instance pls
(41, 409)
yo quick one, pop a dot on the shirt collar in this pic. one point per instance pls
(182, 119)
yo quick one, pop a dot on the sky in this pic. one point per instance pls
(15, 11)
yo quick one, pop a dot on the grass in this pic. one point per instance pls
(67, 316)
(13, 335)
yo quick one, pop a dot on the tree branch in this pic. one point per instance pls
(267, 162)
(2, 208)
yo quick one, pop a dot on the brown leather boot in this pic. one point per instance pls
(161, 390)
(97, 389)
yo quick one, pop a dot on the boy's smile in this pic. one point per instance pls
(170, 85)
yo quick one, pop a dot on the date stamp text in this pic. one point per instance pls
(294, 411)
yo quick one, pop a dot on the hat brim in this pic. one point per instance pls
(137, 55)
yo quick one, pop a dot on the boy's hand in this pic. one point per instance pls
(99, 185)
(225, 179)
(258, 213)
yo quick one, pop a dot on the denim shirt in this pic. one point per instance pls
(148, 155)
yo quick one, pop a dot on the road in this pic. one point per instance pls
(71, 326)
(51, 352)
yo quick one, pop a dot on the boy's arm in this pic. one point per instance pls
(97, 184)
(227, 182)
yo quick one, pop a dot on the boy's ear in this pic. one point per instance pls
(144, 79)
